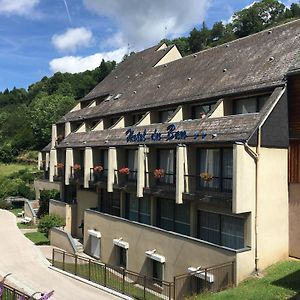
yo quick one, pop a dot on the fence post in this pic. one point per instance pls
(53, 257)
(170, 290)
(75, 271)
(105, 275)
(64, 257)
(232, 271)
(145, 282)
(123, 281)
(174, 288)
(205, 279)
(89, 269)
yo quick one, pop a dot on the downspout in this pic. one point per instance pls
(255, 155)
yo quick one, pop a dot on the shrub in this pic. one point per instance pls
(5, 205)
(44, 201)
(49, 221)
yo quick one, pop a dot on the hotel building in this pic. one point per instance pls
(178, 162)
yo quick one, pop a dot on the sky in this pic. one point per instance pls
(41, 37)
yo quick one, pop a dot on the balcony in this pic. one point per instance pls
(98, 177)
(208, 189)
(161, 183)
(126, 179)
(77, 174)
(59, 172)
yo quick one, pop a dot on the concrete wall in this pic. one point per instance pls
(180, 252)
(62, 240)
(272, 206)
(66, 211)
(40, 185)
(85, 199)
(243, 183)
(294, 213)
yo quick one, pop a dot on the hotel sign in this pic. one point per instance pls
(171, 134)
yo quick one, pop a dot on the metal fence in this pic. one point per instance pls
(143, 287)
(202, 280)
(10, 293)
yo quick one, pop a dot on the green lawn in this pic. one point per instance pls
(8, 169)
(37, 238)
(16, 211)
(109, 278)
(281, 281)
(26, 226)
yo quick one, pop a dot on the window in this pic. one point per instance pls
(221, 230)
(165, 115)
(138, 209)
(132, 164)
(173, 217)
(166, 161)
(122, 257)
(157, 270)
(249, 105)
(200, 110)
(110, 203)
(217, 162)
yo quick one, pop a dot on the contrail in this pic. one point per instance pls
(68, 12)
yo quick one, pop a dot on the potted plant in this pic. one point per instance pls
(124, 170)
(60, 169)
(97, 172)
(206, 176)
(77, 171)
(98, 169)
(159, 173)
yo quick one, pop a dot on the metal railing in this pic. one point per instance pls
(139, 286)
(126, 179)
(59, 173)
(116, 278)
(203, 280)
(9, 293)
(96, 176)
(194, 183)
(166, 183)
(76, 174)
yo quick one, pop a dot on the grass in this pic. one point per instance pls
(38, 238)
(16, 211)
(109, 278)
(281, 281)
(26, 226)
(8, 169)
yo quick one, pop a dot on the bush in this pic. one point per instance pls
(49, 221)
(44, 201)
(5, 205)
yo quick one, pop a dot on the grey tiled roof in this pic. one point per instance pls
(255, 62)
(224, 129)
(47, 148)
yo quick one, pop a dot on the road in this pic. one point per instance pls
(29, 267)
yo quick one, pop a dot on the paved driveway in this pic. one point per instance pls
(30, 270)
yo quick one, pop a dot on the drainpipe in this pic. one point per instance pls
(255, 155)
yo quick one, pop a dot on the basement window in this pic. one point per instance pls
(157, 262)
(121, 252)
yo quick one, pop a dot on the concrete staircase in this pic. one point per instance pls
(79, 246)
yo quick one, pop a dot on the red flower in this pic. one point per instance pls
(159, 173)
(98, 169)
(124, 170)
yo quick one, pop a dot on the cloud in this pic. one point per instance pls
(76, 64)
(142, 23)
(18, 7)
(73, 39)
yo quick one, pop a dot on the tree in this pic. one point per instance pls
(217, 31)
(44, 111)
(49, 221)
(257, 17)
(198, 39)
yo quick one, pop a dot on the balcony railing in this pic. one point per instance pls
(77, 175)
(124, 179)
(98, 176)
(164, 183)
(59, 173)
